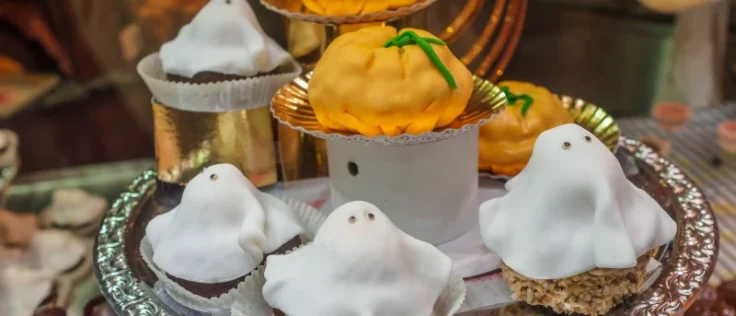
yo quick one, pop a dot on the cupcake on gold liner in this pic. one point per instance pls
(380, 85)
(361, 264)
(211, 87)
(573, 233)
(211, 248)
(337, 12)
(291, 107)
(506, 142)
(400, 113)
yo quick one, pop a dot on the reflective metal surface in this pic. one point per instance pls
(188, 141)
(687, 265)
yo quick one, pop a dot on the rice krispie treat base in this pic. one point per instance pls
(591, 293)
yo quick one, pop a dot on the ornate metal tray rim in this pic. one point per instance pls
(687, 270)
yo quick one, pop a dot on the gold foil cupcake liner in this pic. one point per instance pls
(214, 97)
(247, 296)
(287, 9)
(291, 107)
(589, 116)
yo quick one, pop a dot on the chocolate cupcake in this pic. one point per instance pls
(218, 289)
(221, 60)
(211, 247)
(572, 232)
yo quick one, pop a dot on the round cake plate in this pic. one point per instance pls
(688, 262)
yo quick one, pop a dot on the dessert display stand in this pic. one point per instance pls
(499, 25)
(427, 184)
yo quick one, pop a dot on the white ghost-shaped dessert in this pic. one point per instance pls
(572, 210)
(224, 37)
(22, 289)
(359, 264)
(73, 208)
(8, 148)
(221, 229)
(55, 251)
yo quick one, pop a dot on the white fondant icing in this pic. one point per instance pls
(572, 210)
(55, 250)
(358, 266)
(224, 37)
(74, 207)
(22, 289)
(221, 229)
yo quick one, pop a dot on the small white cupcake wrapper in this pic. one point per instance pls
(247, 296)
(452, 297)
(274, 5)
(215, 97)
(311, 218)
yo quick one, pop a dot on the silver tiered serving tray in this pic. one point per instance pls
(688, 262)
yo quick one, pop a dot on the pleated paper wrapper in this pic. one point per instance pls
(247, 296)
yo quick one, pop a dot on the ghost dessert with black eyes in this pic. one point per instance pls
(210, 249)
(583, 242)
(359, 264)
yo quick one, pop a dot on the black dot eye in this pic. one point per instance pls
(213, 177)
(371, 216)
(588, 139)
(566, 145)
(352, 219)
(353, 168)
(227, 1)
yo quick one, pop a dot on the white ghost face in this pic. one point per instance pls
(569, 148)
(569, 140)
(356, 225)
(217, 182)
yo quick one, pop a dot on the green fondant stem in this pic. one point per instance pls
(512, 98)
(411, 37)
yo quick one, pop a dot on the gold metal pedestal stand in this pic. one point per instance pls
(484, 34)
